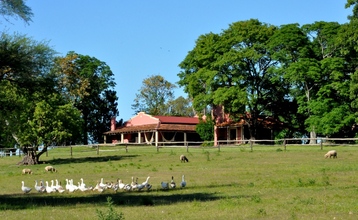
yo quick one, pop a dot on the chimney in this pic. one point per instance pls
(113, 123)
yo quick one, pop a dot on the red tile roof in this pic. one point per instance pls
(177, 120)
(153, 127)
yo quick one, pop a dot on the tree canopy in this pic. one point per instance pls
(154, 95)
(16, 9)
(302, 76)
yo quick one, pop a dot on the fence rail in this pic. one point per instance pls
(250, 143)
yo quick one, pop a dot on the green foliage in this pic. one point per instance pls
(205, 129)
(154, 95)
(110, 214)
(89, 84)
(15, 8)
(207, 144)
(179, 107)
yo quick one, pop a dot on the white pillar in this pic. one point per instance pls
(184, 138)
(139, 138)
(156, 138)
(122, 137)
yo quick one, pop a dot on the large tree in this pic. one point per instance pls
(50, 121)
(16, 9)
(233, 70)
(89, 84)
(180, 107)
(32, 110)
(24, 67)
(154, 95)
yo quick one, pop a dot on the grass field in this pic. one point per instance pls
(233, 183)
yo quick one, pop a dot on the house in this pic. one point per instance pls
(227, 131)
(173, 130)
(147, 129)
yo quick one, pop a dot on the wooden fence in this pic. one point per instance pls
(250, 144)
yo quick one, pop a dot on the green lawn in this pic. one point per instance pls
(235, 183)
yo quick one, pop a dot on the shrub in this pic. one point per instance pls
(110, 214)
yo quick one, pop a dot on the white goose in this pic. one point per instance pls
(24, 188)
(183, 183)
(172, 183)
(146, 183)
(53, 186)
(139, 186)
(59, 188)
(164, 185)
(98, 188)
(121, 185)
(72, 187)
(133, 184)
(102, 185)
(39, 188)
(82, 186)
(67, 187)
(49, 189)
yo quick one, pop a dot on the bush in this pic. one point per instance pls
(110, 214)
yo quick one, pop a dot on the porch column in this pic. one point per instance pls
(139, 137)
(105, 139)
(156, 138)
(122, 137)
(184, 138)
(215, 135)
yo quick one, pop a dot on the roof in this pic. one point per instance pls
(177, 120)
(143, 122)
(152, 128)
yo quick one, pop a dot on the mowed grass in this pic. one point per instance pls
(233, 183)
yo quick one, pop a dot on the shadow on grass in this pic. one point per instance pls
(31, 200)
(57, 161)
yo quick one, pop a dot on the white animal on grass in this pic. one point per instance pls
(331, 153)
(50, 168)
(183, 182)
(24, 188)
(26, 171)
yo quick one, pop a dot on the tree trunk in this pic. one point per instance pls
(313, 137)
(31, 157)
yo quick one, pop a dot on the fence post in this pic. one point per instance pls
(284, 144)
(71, 150)
(251, 144)
(219, 147)
(321, 145)
(126, 148)
(97, 149)
(187, 147)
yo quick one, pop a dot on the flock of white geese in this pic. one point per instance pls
(56, 186)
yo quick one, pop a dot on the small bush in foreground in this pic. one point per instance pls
(110, 214)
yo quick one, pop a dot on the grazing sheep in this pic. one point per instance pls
(26, 171)
(183, 158)
(331, 153)
(50, 168)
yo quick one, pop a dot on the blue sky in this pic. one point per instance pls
(138, 39)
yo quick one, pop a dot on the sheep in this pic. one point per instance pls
(331, 153)
(26, 171)
(50, 168)
(183, 158)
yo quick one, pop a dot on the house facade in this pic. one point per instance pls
(154, 130)
(227, 131)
